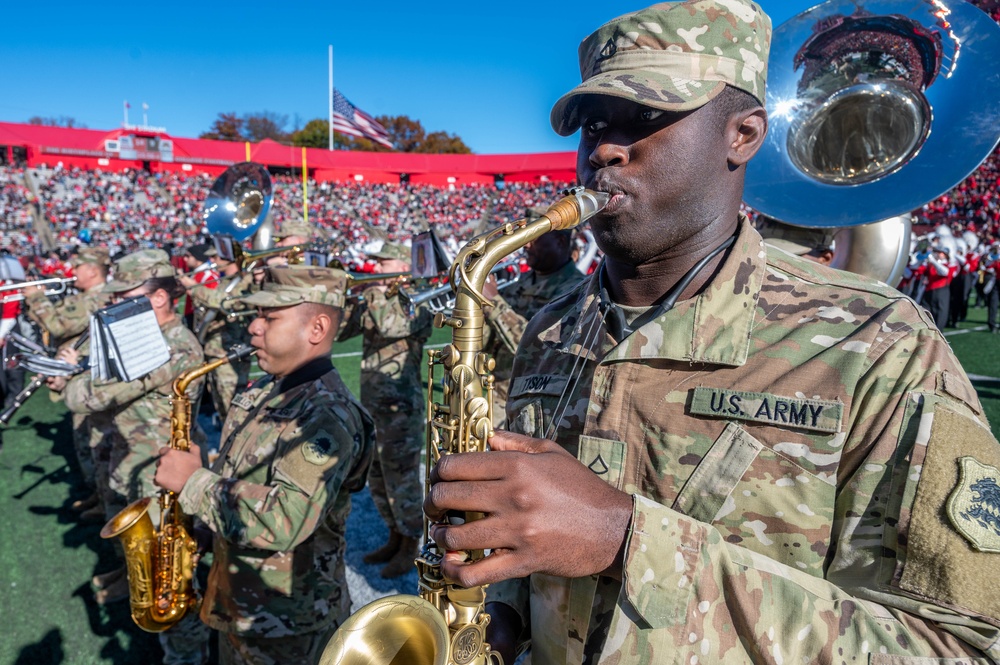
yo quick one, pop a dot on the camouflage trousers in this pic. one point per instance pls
(81, 446)
(186, 642)
(249, 650)
(225, 382)
(395, 481)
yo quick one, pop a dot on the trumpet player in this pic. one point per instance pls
(65, 321)
(295, 445)
(391, 390)
(218, 332)
(721, 453)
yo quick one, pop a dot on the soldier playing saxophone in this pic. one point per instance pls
(295, 445)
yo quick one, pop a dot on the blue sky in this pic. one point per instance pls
(489, 73)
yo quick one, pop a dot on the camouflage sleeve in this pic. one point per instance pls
(351, 324)
(84, 394)
(70, 318)
(507, 324)
(391, 321)
(310, 465)
(203, 296)
(899, 582)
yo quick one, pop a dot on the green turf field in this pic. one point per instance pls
(47, 611)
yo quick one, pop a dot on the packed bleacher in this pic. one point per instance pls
(133, 210)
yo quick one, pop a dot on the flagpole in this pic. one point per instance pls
(305, 187)
(125, 109)
(331, 97)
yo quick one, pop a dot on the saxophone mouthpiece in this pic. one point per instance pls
(576, 207)
(239, 352)
(591, 202)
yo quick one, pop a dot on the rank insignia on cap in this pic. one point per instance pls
(974, 505)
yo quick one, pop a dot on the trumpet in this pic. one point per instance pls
(57, 287)
(364, 280)
(205, 267)
(441, 298)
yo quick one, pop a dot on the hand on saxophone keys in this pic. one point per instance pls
(174, 467)
(545, 512)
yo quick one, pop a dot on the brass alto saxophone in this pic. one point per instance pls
(446, 624)
(160, 564)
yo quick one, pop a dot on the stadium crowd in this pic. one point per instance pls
(135, 210)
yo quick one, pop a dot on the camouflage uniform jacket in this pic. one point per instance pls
(277, 500)
(135, 415)
(790, 436)
(392, 347)
(222, 334)
(68, 319)
(512, 309)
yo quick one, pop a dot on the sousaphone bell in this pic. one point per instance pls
(875, 109)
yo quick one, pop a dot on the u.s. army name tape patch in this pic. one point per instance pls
(810, 414)
(538, 384)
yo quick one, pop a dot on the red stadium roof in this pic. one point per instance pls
(139, 147)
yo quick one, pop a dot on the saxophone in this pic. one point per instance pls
(160, 564)
(446, 624)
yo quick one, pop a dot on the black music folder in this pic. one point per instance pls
(126, 342)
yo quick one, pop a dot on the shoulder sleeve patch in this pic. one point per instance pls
(974, 506)
(943, 564)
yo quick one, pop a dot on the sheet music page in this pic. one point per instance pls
(136, 344)
(98, 359)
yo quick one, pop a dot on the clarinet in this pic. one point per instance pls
(34, 385)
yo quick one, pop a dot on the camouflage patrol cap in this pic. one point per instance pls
(674, 56)
(285, 286)
(295, 227)
(392, 250)
(131, 271)
(99, 256)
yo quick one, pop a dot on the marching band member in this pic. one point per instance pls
(392, 391)
(198, 263)
(65, 321)
(219, 332)
(295, 445)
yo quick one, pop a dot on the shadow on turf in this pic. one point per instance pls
(47, 650)
(114, 622)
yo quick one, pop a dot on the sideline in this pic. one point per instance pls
(964, 330)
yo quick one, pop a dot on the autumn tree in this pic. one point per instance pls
(227, 127)
(265, 125)
(316, 134)
(410, 136)
(61, 121)
(407, 134)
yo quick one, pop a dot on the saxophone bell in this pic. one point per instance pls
(160, 563)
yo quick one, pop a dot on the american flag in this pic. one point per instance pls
(348, 119)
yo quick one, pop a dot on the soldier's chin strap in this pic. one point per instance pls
(614, 317)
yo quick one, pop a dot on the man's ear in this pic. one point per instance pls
(746, 132)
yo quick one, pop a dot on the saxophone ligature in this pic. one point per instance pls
(446, 624)
(160, 563)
